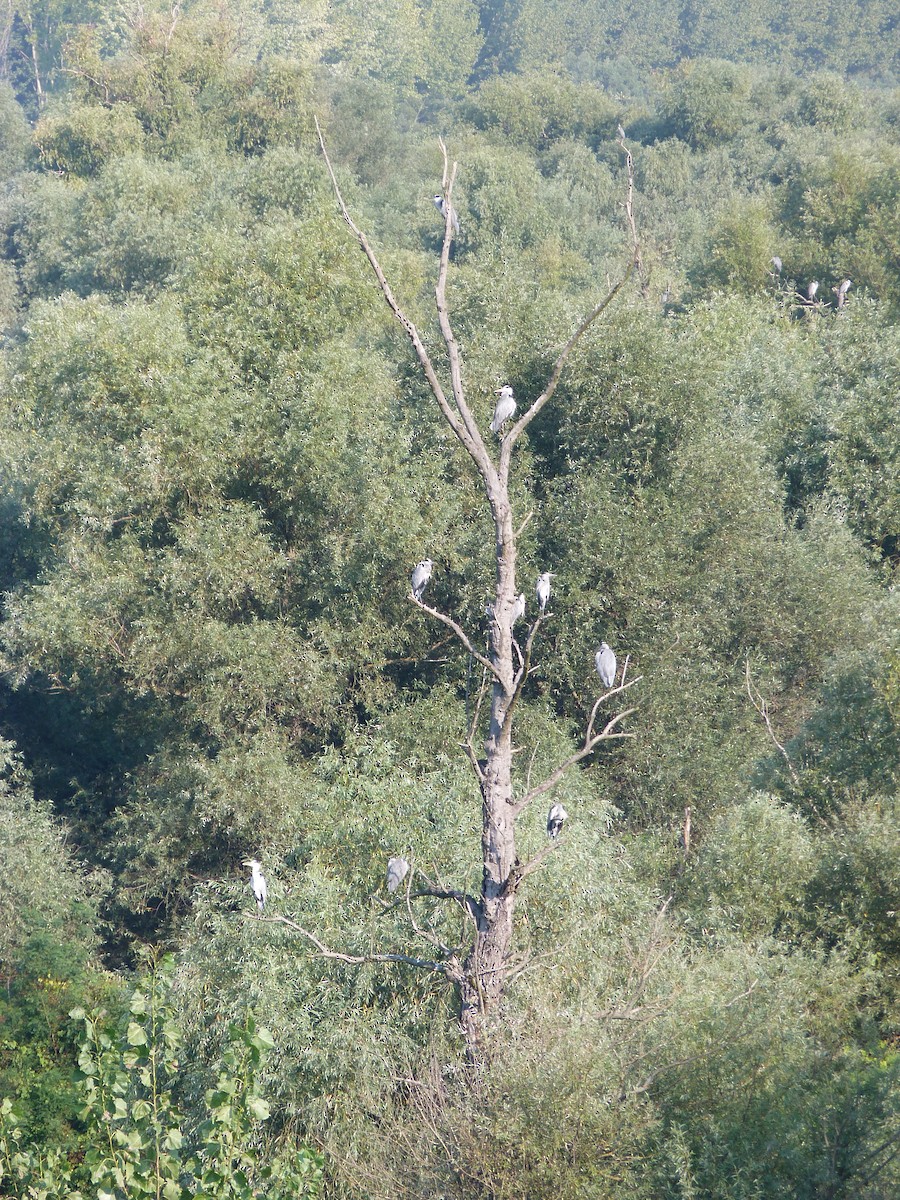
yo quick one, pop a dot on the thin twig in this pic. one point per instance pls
(457, 629)
(762, 707)
(591, 741)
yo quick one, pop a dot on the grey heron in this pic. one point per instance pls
(257, 882)
(620, 132)
(420, 577)
(441, 205)
(811, 290)
(518, 611)
(841, 292)
(542, 589)
(605, 661)
(396, 872)
(555, 818)
(776, 263)
(504, 408)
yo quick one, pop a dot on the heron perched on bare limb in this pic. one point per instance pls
(841, 292)
(518, 611)
(542, 590)
(397, 869)
(257, 882)
(504, 408)
(441, 205)
(420, 576)
(605, 662)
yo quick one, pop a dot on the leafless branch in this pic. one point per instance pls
(450, 968)
(460, 633)
(591, 741)
(762, 707)
(634, 258)
(475, 450)
(524, 663)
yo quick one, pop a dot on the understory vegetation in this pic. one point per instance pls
(219, 463)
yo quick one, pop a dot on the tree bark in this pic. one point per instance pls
(483, 973)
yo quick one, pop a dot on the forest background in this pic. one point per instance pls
(218, 466)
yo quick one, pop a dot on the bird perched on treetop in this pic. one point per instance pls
(420, 576)
(841, 292)
(555, 818)
(812, 289)
(441, 205)
(776, 263)
(396, 872)
(504, 408)
(257, 882)
(543, 589)
(518, 611)
(605, 661)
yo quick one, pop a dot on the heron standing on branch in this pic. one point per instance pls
(542, 589)
(504, 408)
(605, 661)
(555, 818)
(420, 576)
(397, 869)
(441, 205)
(257, 882)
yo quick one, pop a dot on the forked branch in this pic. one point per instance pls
(592, 739)
(633, 262)
(460, 633)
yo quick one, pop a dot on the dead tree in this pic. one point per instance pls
(481, 970)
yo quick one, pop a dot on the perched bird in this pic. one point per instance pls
(811, 290)
(605, 661)
(420, 577)
(396, 872)
(620, 132)
(776, 263)
(257, 882)
(841, 292)
(518, 611)
(504, 409)
(555, 818)
(441, 205)
(543, 589)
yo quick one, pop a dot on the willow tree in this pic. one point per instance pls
(480, 970)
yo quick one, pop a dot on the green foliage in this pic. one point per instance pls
(217, 467)
(137, 1140)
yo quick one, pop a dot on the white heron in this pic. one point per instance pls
(605, 661)
(542, 589)
(397, 869)
(504, 408)
(518, 611)
(441, 205)
(257, 882)
(555, 818)
(420, 576)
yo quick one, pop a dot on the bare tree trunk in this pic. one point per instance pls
(482, 974)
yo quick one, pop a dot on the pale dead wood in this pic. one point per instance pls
(450, 968)
(762, 707)
(527, 417)
(592, 739)
(460, 633)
